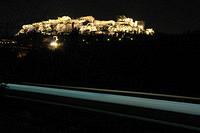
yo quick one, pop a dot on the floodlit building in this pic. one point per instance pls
(87, 25)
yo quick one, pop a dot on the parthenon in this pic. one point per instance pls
(87, 25)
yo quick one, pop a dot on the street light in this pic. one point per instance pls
(54, 44)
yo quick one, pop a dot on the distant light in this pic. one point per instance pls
(120, 39)
(108, 39)
(131, 39)
(54, 44)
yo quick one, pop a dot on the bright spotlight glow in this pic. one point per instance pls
(54, 44)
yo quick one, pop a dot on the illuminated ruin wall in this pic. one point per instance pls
(87, 25)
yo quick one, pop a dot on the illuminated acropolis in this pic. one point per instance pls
(87, 25)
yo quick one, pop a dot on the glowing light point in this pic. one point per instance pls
(54, 44)
(119, 39)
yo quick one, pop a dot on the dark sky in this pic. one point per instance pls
(170, 16)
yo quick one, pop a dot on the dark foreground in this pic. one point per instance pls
(167, 64)
(33, 117)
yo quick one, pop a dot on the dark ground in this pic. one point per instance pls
(159, 64)
(32, 117)
(166, 64)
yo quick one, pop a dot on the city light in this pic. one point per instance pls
(54, 44)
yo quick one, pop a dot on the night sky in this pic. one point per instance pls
(170, 16)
